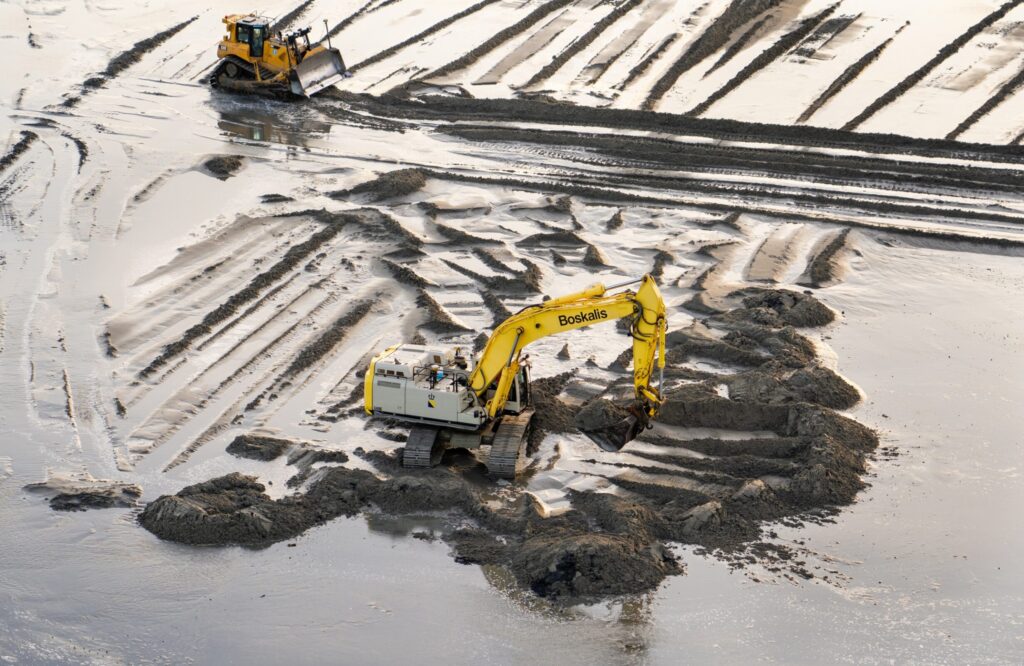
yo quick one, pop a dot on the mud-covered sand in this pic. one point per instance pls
(606, 544)
(244, 298)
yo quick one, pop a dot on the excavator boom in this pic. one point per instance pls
(499, 361)
(453, 401)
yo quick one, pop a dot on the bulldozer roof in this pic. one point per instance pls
(245, 18)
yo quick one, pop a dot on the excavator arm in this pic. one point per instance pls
(499, 361)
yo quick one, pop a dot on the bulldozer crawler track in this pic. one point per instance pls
(506, 451)
(422, 449)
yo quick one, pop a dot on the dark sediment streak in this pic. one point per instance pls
(497, 40)
(843, 80)
(944, 53)
(713, 38)
(1004, 91)
(419, 37)
(583, 42)
(765, 58)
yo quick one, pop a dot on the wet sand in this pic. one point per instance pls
(152, 314)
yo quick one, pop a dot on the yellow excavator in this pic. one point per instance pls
(453, 405)
(252, 59)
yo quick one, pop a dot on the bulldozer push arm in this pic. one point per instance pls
(499, 361)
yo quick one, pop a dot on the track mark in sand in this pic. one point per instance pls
(334, 224)
(645, 64)
(15, 151)
(583, 42)
(534, 43)
(847, 77)
(310, 356)
(738, 45)
(918, 75)
(284, 23)
(419, 37)
(765, 58)
(497, 40)
(622, 43)
(329, 339)
(821, 269)
(773, 255)
(157, 430)
(825, 33)
(350, 19)
(126, 59)
(738, 13)
(1004, 92)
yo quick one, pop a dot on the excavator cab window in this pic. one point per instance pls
(243, 33)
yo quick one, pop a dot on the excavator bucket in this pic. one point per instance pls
(613, 436)
(318, 71)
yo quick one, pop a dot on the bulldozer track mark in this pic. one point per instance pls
(848, 76)
(920, 73)
(763, 59)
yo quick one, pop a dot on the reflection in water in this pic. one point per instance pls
(264, 127)
(629, 619)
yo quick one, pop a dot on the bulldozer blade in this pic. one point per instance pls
(614, 437)
(318, 71)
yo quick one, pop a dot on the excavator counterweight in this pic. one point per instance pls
(454, 405)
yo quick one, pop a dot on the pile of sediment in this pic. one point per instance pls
(714, 493)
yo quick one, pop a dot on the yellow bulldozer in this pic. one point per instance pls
(254, 58)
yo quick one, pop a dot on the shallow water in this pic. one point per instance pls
(921, 568)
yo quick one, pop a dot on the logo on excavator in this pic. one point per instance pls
(431, 400)
(582, 317)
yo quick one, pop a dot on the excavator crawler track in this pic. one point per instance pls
(423, 448)
(507, 449)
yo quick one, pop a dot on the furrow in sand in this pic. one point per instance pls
(810, 213)
(717, 34)
(859, 171)
(451, 109)
(641, 67)
(350, 19)
(285, 23)
(126, 59)
(158, 430)
(846, 78)
(821, 268)
(291, 259)
(738, 45)
(533, 18)
(918, 75)
(308, 358)
(583, 42)
(545, 35)
(21, 145)
(1001, 95)
(765, 58)
(624, 41)
(419, 37)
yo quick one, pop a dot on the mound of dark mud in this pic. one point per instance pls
(715, 493)
(779, 307)
(223, 167)
(390, 185)
(599, 415)
(257, 447)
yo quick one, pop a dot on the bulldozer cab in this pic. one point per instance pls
(253, 32)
